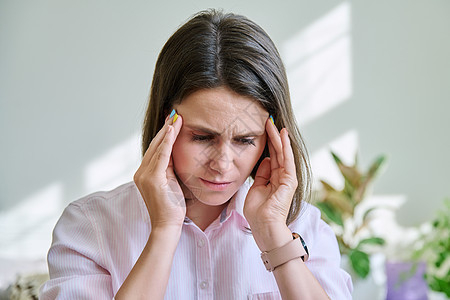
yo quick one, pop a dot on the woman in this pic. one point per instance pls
(219, 187)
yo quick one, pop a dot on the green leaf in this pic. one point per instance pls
(436, 224)
(360, 263)
(440, 285)
(330, 212)
(371, 241)
(376, 166)
(365, 180)
(356, 160)
(327, 186)
(351, 174)
(368, 212)
(339, 201)
(336, 158)
(349, 190)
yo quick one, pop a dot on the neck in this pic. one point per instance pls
(202, 214)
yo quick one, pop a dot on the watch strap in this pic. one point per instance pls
(282, 255)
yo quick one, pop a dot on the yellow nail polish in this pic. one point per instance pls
(271, 119)
(175, 118)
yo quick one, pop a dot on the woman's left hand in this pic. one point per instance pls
(269, 199)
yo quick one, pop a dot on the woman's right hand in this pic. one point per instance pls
(165, 203)
(157, 182)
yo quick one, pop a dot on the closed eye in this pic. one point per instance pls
(247, 141)
(201, 138)
(208, 138)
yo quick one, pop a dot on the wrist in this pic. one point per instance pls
(170, 228)
(272, 236)
(167, 234)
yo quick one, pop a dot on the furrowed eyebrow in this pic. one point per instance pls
(214, 133)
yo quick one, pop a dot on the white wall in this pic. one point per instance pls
(75, 76)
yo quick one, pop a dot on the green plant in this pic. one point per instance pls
(338, 209)
(435, 251)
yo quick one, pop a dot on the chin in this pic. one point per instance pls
(213, 198)
(194, 188)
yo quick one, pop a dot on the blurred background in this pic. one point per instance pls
(366, 77)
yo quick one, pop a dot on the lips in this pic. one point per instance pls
(216, 182)
(216, 185)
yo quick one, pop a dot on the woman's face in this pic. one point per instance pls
(221, 139)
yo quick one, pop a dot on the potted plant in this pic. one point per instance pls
(425, 261)
(434, 249)
(342, 209)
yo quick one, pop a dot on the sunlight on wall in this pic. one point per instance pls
(318, 63)
(115, 167)
(25, 230)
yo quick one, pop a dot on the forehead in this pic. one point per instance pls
(222, 110)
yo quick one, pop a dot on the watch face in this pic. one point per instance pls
(304, 244)
(295, 235)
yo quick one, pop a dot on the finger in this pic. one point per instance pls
(262, 176)
(156, 141)
(274, 161)
(177, 127)
(170, 172)
(289, 162)
(274, 137)
(154, 144)
(160, 159)
(164, 152)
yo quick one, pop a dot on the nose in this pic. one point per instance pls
(220, 157)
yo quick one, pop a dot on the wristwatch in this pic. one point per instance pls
(294, 249)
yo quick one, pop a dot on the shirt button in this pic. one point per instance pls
(201, 243)
(204, 284)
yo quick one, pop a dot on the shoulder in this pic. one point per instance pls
(315, 232)
(122, 192)
(104, 211)
(118, 203)
(309, 219)
(91, 221)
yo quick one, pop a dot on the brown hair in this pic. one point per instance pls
(214, 49)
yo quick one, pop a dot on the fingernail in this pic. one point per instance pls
(175, 118)
(271, 119)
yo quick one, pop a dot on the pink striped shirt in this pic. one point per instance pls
(99, 238)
